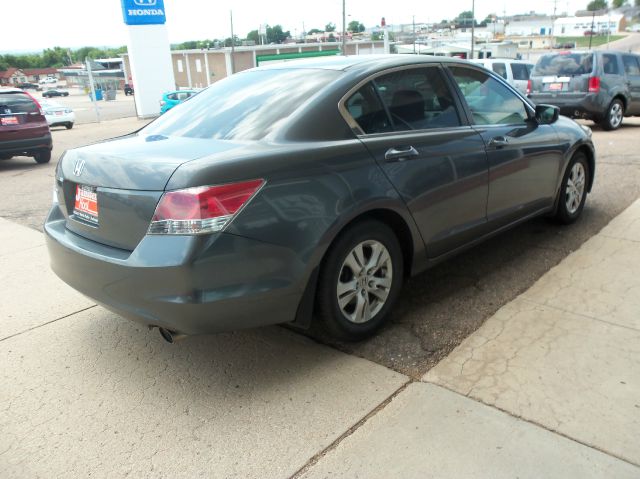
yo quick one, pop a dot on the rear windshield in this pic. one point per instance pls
(245, 106)
(11, 103)
(564, 64)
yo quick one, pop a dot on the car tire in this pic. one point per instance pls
(65, 94)
(68, 126)
(613, 116)
(368, 288)
(573, 191)
(42, 156)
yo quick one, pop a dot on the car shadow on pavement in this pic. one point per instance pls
(20, 163)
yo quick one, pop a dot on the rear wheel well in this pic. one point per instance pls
(399, 227)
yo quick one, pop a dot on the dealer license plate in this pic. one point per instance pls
(555, 86)
(9, 120)
(86, 206)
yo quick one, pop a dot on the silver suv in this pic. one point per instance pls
(603, 86)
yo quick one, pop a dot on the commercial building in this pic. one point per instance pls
(200, 68)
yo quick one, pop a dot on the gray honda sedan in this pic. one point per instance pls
(309, 191)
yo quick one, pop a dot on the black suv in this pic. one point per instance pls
(603, 86)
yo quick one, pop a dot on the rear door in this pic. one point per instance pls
(411, 124)
(632, 72)
(524, 157)
(520, 74)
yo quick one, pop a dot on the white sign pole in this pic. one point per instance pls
(94, 100)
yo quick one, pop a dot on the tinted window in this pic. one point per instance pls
(631, 65)
(500, 69)
(564, 64)
(418, 99)
(11, 103)
(490, 101)
(244, 106)
(365, 108)
(610, 64)
(520, 71)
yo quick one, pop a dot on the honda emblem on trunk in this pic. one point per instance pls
(78, 167)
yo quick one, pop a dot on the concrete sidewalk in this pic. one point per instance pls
(547, 387)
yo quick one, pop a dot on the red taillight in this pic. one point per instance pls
(594, 84)
(34, 101)
(205, 209)
(529, 87)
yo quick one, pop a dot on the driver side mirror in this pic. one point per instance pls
(547, 114)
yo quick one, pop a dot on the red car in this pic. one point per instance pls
(23, 127)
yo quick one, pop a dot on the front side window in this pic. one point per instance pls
(490, 102)
(418, 99)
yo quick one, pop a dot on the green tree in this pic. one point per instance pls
(355, 26)
(275, 34)
(597, 5)
(313, 31)
(619, 3)
(330, 27)
(254, 36)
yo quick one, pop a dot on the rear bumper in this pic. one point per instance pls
(27, 145)
(188, 284)
(574, 105)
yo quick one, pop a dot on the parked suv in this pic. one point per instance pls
(515, 72)
(603, 86)
(23, 127)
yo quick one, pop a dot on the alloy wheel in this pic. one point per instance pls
(575, 188)
(364, 282)
(615, 115)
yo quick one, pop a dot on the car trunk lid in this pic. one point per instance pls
(109, 191)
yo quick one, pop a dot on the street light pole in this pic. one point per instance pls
(233, 48)
(473, 25)
(344, 28)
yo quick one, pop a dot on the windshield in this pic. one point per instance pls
(564, 64)
(245, 106)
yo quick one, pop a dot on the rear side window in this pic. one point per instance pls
(367, 110)
(564, 64)
(12, 103)
(500, 69)
(490, 102)
(610, 64)
(418, 99)
(631, 65)
(519, 71)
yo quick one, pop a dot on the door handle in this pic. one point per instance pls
(401, 154)
(498, 141)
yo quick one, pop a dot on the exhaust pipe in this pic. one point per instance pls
(171, 336)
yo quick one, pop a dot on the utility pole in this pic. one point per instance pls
(414, 34)
(593, 19)
(233, 48)
(473, 25)
(344, 27)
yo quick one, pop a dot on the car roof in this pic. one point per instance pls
(11, 90)
(340, 62)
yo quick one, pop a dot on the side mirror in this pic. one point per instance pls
(547, 114)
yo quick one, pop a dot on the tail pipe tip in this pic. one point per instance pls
(171, 336)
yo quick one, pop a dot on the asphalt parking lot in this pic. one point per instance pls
(122, 107)
(437, 309)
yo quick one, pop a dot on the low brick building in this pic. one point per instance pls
(201, 68)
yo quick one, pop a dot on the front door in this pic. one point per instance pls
(632, 73)
(524, 157)
(413, 128)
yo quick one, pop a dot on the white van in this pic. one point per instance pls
(515, 72)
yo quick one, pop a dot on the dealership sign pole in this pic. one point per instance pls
(149, 53)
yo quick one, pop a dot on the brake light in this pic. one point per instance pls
(594, 84)
(201, 210)
(34, 101)
(529, 87)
